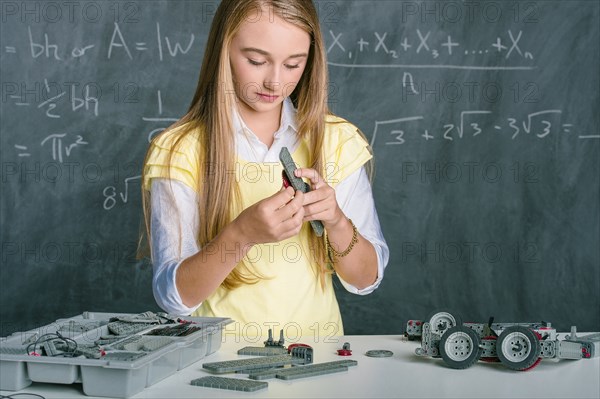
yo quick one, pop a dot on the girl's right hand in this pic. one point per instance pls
(272, 219)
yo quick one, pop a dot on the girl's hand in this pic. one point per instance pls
(320, 203)
(272, 219)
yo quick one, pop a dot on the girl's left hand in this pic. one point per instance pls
(320, 203)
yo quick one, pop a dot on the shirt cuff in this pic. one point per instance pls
(166, 293)
(382, 255)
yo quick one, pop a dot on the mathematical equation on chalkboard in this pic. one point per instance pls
(44, 45)
(49, 96)
(61, 146)
(505, 47)
(110, 193)
(540, 124)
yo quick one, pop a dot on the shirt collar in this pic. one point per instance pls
(288, 116)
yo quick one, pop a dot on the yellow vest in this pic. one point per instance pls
(290, 297)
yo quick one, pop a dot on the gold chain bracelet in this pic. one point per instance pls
(352, 243)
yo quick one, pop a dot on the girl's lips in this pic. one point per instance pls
(266, 97)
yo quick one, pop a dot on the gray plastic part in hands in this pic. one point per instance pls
(231, 366)
(233, 384)
(289, 166)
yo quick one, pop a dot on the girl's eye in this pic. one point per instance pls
(252, 62)
(292, 66)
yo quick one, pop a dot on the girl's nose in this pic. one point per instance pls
(271, 80)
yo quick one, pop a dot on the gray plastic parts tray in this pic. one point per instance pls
(135, 360)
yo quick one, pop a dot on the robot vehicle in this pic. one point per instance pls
(518, 346)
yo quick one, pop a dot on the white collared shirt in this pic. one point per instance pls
(172, 199)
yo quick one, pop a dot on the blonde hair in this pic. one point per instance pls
(210, 116)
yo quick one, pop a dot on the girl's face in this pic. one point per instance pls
(268, 56)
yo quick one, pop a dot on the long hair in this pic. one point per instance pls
(210, 117)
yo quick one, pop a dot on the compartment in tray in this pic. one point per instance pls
(189, 338)
(131, 371)
(192, 351)
(114, 382)
(164, 366)
(214, 339)
(56, 372)
(164, 363)
(13, 375)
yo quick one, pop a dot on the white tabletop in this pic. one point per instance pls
(404, 375)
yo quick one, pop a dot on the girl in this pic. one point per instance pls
(227, 239)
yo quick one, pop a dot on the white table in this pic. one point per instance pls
(404, 375)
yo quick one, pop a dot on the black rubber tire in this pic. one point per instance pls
(459, 347)
(518, 348)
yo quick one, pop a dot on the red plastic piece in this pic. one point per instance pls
(183, 321)
(286, 181)
(585, 353)
(344, 352)
(292, 346)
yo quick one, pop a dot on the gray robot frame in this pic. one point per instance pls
(518, 346)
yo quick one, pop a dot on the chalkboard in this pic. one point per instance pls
(483, 118)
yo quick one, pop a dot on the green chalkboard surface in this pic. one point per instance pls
(483, 118)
